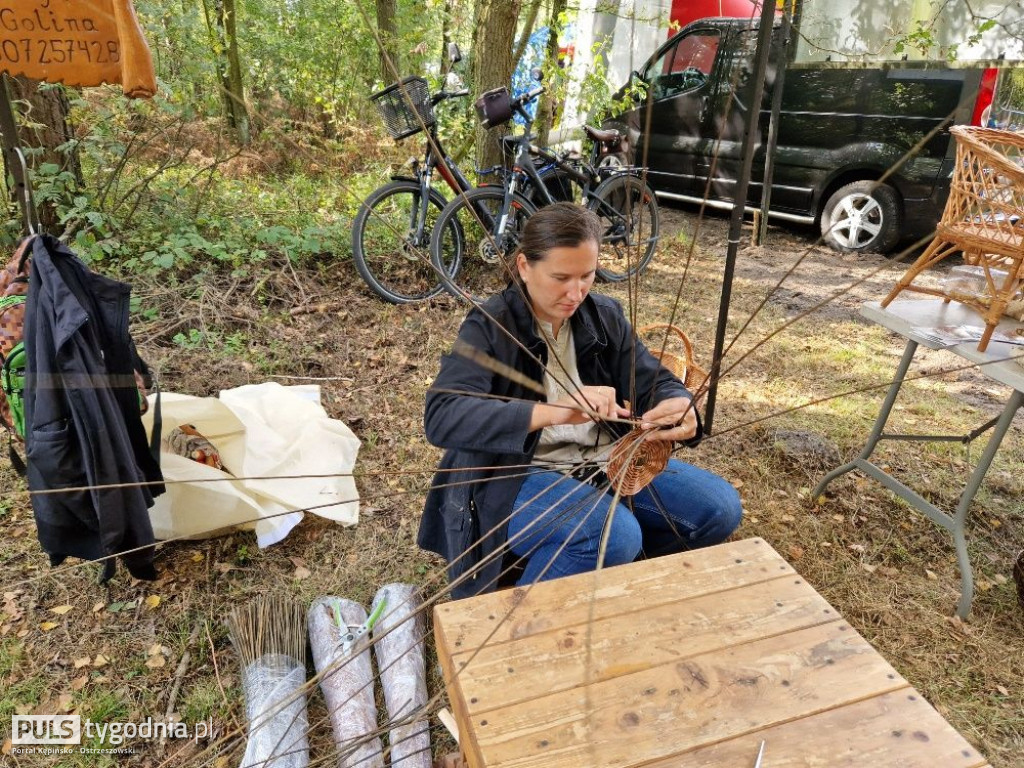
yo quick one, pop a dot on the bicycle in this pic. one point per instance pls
(391, 231)
(489, 220)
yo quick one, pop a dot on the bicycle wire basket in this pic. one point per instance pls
(405, 107)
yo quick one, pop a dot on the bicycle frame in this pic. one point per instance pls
(435, 157)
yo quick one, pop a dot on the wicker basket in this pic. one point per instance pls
(634, 462)
(681, 365)
(405, 107)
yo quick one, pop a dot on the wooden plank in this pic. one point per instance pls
(516, 613)
(894, 730)
(467, 742)
(497, 676)
(713, 697)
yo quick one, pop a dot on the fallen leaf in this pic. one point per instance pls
(301, 573)
(838, 518)
(98, 607)
(198, 557)
(889, 571)
(999, 579)
(859, 548)
(100, 661)
(155, 662)
(869, 567)
(127, 605)
(983, 585)
(84, 661)
(795, 551)
(932, 575)
(153, 601)
(1002, 690)
(154, 650)
(46, 626)
(60, 610)
(6, 749)
(64, 702)
(298, 562)
(22, 634)
(737, 484)
(788, 518)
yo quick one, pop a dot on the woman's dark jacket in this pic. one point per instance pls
(82, 422)
(488, 443)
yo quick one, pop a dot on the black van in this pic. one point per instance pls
(841, 129)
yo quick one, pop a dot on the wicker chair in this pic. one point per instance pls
(983, 218)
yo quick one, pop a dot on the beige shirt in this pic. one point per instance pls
(566, 443)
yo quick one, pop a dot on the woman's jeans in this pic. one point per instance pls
(558, 522)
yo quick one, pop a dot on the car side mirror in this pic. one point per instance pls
(454, 54)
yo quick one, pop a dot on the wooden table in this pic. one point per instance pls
(688, 660)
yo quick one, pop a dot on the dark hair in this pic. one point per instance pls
(559, 225)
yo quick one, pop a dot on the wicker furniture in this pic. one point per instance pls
(983, 218)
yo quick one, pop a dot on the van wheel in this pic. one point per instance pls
(862, 216)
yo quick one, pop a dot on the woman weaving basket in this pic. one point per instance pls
(529, 405)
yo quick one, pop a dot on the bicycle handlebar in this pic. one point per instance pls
(440, 96)
(529, 96)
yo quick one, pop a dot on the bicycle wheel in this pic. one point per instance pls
(487, 260)
(629, 212)
(386, 251)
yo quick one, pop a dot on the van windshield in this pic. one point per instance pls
(683, 66)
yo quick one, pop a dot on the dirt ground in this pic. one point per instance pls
(782, 420)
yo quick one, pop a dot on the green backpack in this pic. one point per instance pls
(13, 290)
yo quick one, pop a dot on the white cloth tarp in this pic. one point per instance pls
(261, 431)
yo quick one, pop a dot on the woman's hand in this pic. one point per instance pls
(567, 409)
(676, 415)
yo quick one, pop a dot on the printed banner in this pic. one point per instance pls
(76, 42)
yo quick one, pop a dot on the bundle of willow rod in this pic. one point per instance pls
(269, 635)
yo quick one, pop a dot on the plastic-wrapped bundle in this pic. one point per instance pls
(270, 637)
(346, 679)
(398, 645)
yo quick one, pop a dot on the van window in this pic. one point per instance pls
(684, 66)
(1008, 104)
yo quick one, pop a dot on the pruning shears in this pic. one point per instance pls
(353, 632)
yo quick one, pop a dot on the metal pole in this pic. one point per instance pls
(773, 125)
(739, 197)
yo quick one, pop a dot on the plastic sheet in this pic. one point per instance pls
(346, 682)
(398, 645)
(276, 708)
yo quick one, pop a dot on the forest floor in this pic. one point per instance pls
(115, 652)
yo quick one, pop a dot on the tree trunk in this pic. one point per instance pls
(215, 31)
(387, 27)
(494, 30)
(446, 31)
(43, 128)
(524, 36)
(546, 108)
(236, 89)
